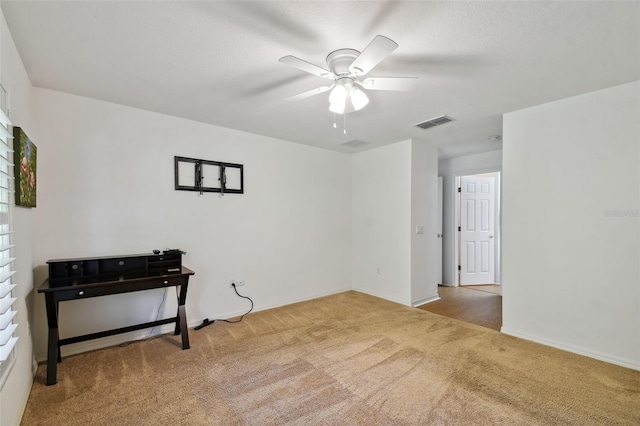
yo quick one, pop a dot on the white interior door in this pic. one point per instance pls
(477, 235)
(440, 238)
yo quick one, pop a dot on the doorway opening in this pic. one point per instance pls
(477, 242)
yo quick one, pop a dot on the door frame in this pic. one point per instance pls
(456, 222)
(481, 237)
(440, 229)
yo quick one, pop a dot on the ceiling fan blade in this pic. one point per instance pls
(310, 93)
(400, 84)
(307, 67)
(379, 48)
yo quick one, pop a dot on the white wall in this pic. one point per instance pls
(14, 394)
(381, 222)
(106, 187)
(571, 187)
(424, 213)
(394, 189)
(448, 169)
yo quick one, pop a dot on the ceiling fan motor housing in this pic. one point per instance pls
(339, 61)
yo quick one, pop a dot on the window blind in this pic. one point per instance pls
(7, 311)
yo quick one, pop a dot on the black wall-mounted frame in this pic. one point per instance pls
(192, 174)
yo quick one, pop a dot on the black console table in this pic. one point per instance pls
(73, 279)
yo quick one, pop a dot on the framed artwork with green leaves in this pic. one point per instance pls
(25, 156)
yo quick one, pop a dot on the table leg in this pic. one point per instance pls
(58, 334)
(178, 320)
(181, 322)
(182, 315)
(53, 350)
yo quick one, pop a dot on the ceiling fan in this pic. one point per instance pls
(346, 69)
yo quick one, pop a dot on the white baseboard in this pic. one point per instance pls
(118, 339)
(105, 342)
(382, 296)
(401, 302)
(425, 301)
(574, 349)
(258, 308)
(18, 410)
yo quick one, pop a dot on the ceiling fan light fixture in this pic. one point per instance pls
(358, 99)
(338, 106)
(346, 67)
(338, 94)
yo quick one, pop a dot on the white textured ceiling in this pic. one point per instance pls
(217, 62)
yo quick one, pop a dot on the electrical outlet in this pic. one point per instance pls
(237, 283)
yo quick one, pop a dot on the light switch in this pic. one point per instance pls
(419, 229)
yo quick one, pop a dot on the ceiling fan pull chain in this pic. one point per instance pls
(335, 126)
(344, 124)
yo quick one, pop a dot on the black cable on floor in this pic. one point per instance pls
(207, 321)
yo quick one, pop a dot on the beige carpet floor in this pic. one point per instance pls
(347, 359)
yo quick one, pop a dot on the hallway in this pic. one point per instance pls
(477, 304)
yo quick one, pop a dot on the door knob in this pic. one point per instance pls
(490, 236)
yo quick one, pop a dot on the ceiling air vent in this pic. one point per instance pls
(355, 143)
(437, 121)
